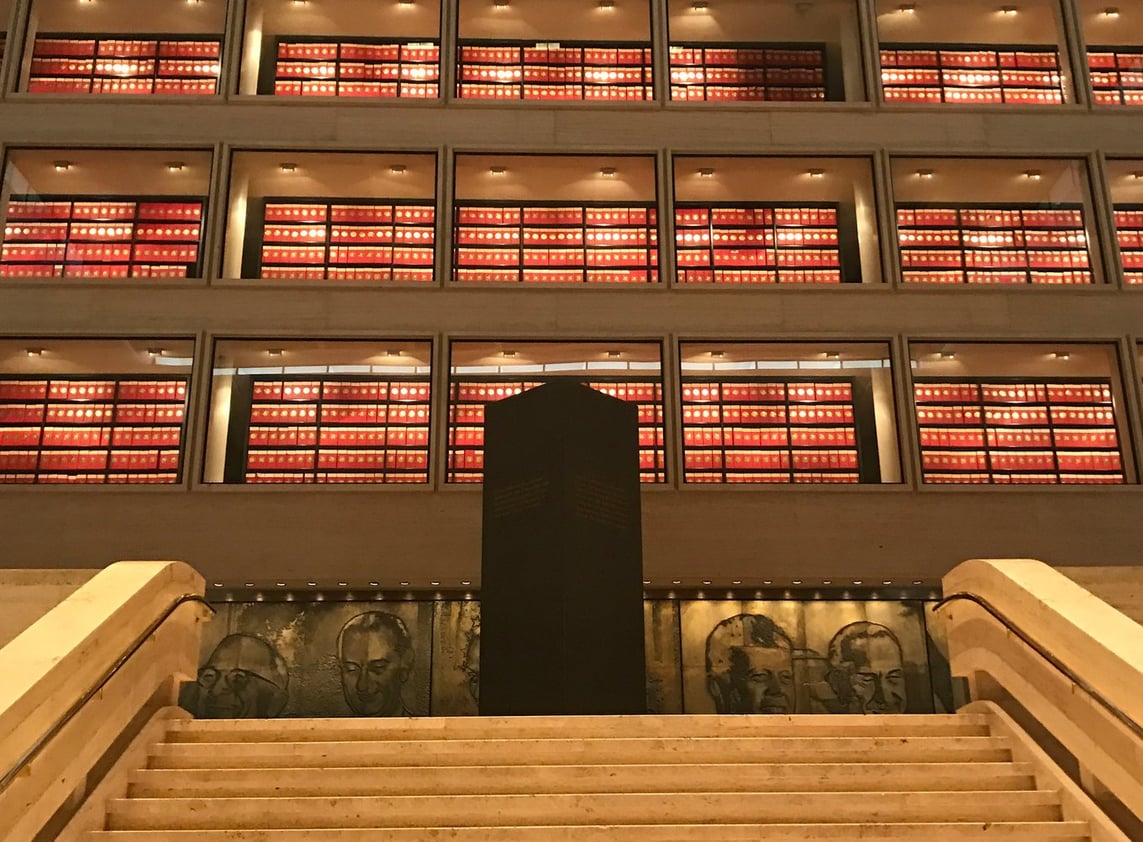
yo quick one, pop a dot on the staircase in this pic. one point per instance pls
(588, 779)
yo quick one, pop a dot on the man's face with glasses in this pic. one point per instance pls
(232, 684)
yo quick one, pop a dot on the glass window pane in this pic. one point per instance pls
(319, 411)
(995, 221)
(93, 411)
(483, 372)
(104, 214)
(548, 219)
(347, 48)
(1020, 413)
(973, 52)
(788, 412)
(129, 47)
(1114, 36)
(1126, 180)
(332, 217)
(736, 51)
(775, 220)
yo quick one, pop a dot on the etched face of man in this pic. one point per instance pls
(865, 660)
(244, 678)
(749, 666)
(375, 655)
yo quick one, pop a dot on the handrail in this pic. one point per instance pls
(1059, 665)
(71, 712)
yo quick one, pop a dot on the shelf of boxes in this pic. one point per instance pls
(745, 430)
(348, 239)
(467, 399)
(986, 430)
(102, 237)
(100, 429)
(1116, 75)
(757, 243)
(993, 244)
(1129, 231)
(392, 69)
(345, 429)
(705, 72)
(556, 243)
(125, 64)
(593, 72)
(972, 74)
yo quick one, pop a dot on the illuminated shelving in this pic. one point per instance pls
(381, 68)
(1129, 231)
(775, 430)
(102, 237)
(347, 239)
(556, 243)
(344, 429)
(995, 430)
(98, 429)
(1116, 75)
(468, 397)
(974, 74)
(993, 244)
(757, 243)
(125, 64)
(730, 72)
(592, 72)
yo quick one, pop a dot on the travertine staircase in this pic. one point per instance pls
(559, 779)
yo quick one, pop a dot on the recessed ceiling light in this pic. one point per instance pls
(500, 4)
(706, 581)
(916, 581)
(466, 582)
(948, 355)
(1008, 10)
(1111, 12)
(34, 352)
(507, 353)
(767, 582)
(614, 354)
(646, 581)
(312, 584)
(249, 584)
(62, 166)
(404, 584)
(274, 352)
(676, 581)
(857, 581)
(736, 582)
(498, 170)
(887, 581)
(797, 581)
(833, 355)
(907, 8)
(343, 584)
(1138, 176)
(1034, 175)
(175, 166)
(288, 166)
(924, 173)
(815, 173)
(607, 172)
(706, 172)
(1062, 355)
(405, 2)
(280, 584)
(393, 353)
(434, 584)
(718, 355)
(397, 169)
(606, 5)
(154, 352)
(218, 584)
(700, 5)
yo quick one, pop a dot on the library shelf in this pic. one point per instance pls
(603, 71)
(1116, 74)
(129, 63)
(747, 72)
(385, 68)
(1129, 233)
(972, 74)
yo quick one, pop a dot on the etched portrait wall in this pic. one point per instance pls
(420, 658)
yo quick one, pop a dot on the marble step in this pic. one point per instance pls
(538, 727)
(590, 809)
(907, 832)
(511, 780)
(581, 752)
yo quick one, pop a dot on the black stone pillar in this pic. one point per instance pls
(561, 592)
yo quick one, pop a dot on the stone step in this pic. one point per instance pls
(594, 809)
(512, 780)
(538, 727)
(622, 750)
(907, 832)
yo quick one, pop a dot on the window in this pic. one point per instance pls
(736, 51)
(485, 372)
(995, 221)
(788, 412)
(295, 411)
(346, 48)
(332, 217)
(775, 220)
(104, 214)
(575, 50)
(1126, 180)
(138, 47)
(972, 52)
(545, 219)
(93, 411)
(1019, 413)
(1114, 36)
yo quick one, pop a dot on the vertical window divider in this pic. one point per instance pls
(445, 214)
(440, 386)
(1131, 380)
(870, 51)
(449, 51)
(1103, 221)
(217, 209)
(196, 426)
(670, 374)
(660, 51)
(14, 28)
(233, 41)
(905, 405)
(1074, 44)
(886, 213)
(665, 203)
